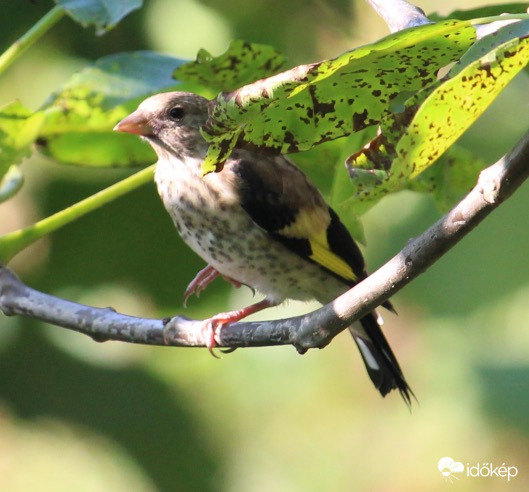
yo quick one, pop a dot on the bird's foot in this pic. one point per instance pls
(212, 327)
(200, 282)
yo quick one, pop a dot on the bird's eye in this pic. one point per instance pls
(176, 113)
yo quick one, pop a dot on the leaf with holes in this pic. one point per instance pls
(241, 64)
(311, 104)
(413, 139)
(458, 101)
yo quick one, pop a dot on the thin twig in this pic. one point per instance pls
(31, 37)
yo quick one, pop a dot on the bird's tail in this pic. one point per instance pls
(380, 362)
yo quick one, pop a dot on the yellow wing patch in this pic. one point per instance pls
(322, 254)
(309, 222)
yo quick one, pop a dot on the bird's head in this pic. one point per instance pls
(171, 122)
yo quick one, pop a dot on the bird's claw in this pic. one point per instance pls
(200, 282)
(210, 329)
(204, 278)
(228, 350)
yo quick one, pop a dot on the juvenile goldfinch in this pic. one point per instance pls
(258, 222)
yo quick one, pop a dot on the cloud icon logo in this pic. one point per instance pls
(447, 466)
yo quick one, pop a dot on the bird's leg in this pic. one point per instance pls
(212, 326)
(200, 282)
(203, 279)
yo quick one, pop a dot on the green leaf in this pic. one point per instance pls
(450, 178)
(103, 14)
(241, 64)
(456, 103)
(80, 118)
(98, 149)
(116, 79)
(411, 141)
(19, 128)
(310, 104)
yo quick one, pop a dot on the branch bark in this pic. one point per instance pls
(316, 329)
(399, 14)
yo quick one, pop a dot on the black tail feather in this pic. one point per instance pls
(380, 362)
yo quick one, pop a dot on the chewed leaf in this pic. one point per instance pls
(412, 140)
(311, 104)
(217, 155)
(103, 14)
(456, 104)
(241, 64)
(377, 154)
(369, 171)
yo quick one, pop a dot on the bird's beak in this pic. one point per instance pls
(135, 123)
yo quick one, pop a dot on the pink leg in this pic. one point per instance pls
(203, 279)
(212, 326)
(200, 282)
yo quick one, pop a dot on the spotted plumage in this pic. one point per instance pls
(259, 222)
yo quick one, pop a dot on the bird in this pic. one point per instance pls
(259, 222)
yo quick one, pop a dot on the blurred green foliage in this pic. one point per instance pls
(178, 419)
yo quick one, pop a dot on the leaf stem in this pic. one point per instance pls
(14, 242)
(30, 37)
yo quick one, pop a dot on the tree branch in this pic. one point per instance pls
(399, 14)
(315, 329)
